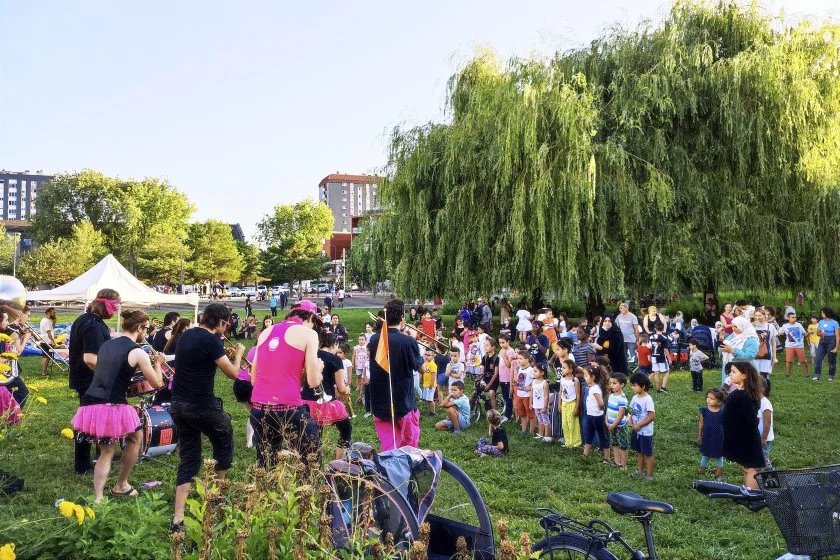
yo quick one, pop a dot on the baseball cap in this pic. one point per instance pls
(306, 305)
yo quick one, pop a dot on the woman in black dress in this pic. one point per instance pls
(741, 440)
(610, 343)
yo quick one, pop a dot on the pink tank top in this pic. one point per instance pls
(244, 372)
(279, 368)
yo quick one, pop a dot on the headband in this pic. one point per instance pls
(111, 305)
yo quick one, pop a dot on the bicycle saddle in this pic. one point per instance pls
(631, 503)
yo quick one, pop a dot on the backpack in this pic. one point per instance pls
(763, 348)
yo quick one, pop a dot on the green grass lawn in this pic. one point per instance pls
(534, 474)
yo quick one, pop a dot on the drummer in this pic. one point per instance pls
(104, 416)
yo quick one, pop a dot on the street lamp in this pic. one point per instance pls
(181, 277)
(14, 258)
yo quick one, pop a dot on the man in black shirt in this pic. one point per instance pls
(88, 334)
(195, 409)
(404, 427)
(162, 336)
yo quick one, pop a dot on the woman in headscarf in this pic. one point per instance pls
(741, 345)
(610, 343)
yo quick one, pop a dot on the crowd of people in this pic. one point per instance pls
(560, 380)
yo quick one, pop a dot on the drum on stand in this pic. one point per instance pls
(160, 437)
(139, 386)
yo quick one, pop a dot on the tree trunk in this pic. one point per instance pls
(710, 303)
(594, 304)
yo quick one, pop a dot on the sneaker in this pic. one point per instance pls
(648, 479)
(718, 479)
(457, 431)
(815, 378)
(548, 440)
(538, 437)
(663, 390)
(505, 419)
(637, 473)
(367, 414)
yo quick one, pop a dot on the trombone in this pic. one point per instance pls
(421, 333)
(165, 367)
(230, 344)
(44, 346)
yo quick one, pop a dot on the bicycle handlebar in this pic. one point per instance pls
(750, 499)
(709, 486)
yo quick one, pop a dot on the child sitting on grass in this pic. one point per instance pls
(498, 442)
(457, 407)
(710, 432)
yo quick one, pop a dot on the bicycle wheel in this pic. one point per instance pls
(475, 409)
(569, 546)
(500, 402)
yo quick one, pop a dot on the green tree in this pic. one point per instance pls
(294, 236)
(367, 263)
(159, 257)
(694, 154)
(214, 256)
(125, 211)
(251, 264)
(7, 251)
(57, 262)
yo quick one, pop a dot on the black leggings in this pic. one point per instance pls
(345, 432)
(504, 387)
(367, 398)
(597, 426)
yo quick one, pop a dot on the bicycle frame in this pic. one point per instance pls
(598, 531)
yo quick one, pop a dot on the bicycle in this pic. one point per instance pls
(480, 400)
(568, 538)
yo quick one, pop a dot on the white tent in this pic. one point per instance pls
(109, 273)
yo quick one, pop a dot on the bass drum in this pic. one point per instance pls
(160, 437)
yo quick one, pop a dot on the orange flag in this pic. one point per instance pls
(382, 349)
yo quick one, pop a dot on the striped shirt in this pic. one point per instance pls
(614, 405)
(581, 353)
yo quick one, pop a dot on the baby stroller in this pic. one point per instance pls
(678, 346)
(405, 483)
(705, 343)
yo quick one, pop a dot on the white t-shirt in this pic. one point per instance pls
(592, 407)
(524, 323)
(537, 395)
(457, 372)
(482, 338)
(794, 335)
(348, 365)
(629, 325)
(765, 405)
(341, 294)
(567, 390)
(640, 408)
(45, 326)
(765, 365)
(524, 378)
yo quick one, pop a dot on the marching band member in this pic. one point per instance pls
(46, 327)
(16, 386)
(87, 336)
(104, 416)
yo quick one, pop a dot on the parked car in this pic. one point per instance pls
(277, 290)
(261, 290)
(234, 291)
(249, 291)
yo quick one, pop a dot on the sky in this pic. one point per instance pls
(245, 105)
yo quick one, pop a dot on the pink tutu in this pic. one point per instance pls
(327, 414)
(9, 409)
(105, 423)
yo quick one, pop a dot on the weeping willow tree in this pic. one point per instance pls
(695, 154)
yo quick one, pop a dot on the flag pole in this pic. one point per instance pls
(390, 381)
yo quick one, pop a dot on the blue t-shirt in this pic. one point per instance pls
(614, 405)
(828, 326)
(462, 403)
(272, 302)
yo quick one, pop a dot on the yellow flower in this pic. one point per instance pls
(7, 552)
(68, 433)
(33, 388)
(80, 513)
(5, 338)
(9, 356)
(66, 508)
(41, 400)
(74, 395)
(3, 379)
(5, 367)
(90, 513)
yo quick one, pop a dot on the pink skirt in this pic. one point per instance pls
(9, 409)
(105, 423)
(327, 414)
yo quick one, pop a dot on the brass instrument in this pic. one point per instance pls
(231, 345)
(43, 345)
(165, 367)
(12, 302)
(420, 342)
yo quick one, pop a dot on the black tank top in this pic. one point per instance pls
(112, 374)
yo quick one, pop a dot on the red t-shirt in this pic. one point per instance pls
(644, 355)
(428, 327)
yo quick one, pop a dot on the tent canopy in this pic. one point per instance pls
(109, 273)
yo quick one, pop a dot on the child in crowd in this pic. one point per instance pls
(710, 432)
(341, 354)
(454, 370)
(643, 354)
(242, 389)
(366, 384)
(428, 380)
(583, 349)
(595, 405)
(442, 362)
(794, 334)
(549, 326)
(570, 403)
(695, 365)
(456, 344)
(368, 332)
(250, 326)
(359, 359)
(507, 360)
(660, 357)
(767, 332)
(539, 402)
(522, 399)
(457, 407)
(490, 370)
(765, 425)
(617, 419)
(813, 336)
(497, 445)
(642, 415)
(474, 355)
(482, 338)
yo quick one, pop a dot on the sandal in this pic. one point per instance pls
(130, 493)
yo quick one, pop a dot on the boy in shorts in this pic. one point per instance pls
(457, 407)
(428, 380)
(642, 415)
(660, 357)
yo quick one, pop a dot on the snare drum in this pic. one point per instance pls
(160, 437)
(139, 386)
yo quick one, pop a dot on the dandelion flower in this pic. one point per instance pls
(68, 433)
(33, 388)
(90, 513)
(5, 367)
(41, 400)
(7, 552)
(79, 511)
(9, 356)
(5, 338)
(66, 508)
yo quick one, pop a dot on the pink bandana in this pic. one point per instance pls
(111, 305)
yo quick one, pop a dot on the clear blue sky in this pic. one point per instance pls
(244, 105)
